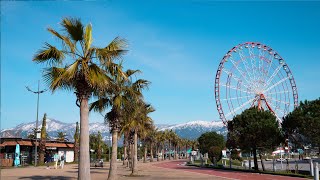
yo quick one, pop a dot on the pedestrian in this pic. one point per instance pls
(55, 159)
(47, 160)
(62, 158)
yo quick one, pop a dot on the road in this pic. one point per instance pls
(217, 173)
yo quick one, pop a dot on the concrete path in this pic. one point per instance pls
(179, 165)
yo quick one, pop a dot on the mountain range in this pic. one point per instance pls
(189, 130)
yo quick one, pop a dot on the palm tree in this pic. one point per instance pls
(97, 144)
(151, 139)
(42, 143)
(158, 139)
(78, 66)
(139, 123)
(61, 136)
(120, 97)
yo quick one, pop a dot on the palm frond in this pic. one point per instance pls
(50, 55)
(73, 27)
(100, 105)
(88, 37)
(97, 78)
(52, 77)
(114, 50)
(66, 42)
(140, 84)
(131, 72)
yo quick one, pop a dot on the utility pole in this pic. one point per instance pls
(37, 131)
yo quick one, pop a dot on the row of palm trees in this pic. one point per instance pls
(96, 73)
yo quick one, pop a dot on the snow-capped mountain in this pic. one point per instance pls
(190, 130)
(194, 129)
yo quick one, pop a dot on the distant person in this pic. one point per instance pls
(47, 160)
(62, 158)
(55, 159)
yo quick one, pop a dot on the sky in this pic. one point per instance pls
(176, 44)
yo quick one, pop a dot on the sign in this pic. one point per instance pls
(38, 135)
(51, 148)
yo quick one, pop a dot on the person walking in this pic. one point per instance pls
(55, 159)
(47, 160)
(62, 158)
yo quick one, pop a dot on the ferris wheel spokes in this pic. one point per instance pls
(253, 74)
(276, 84)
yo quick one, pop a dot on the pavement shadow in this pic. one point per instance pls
(47, 177)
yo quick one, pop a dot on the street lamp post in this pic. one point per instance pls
(36, 92)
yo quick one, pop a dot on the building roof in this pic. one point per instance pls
(31, 142)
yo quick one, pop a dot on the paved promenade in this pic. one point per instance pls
(147, 171)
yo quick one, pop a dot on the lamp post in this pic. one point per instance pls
(36, 92)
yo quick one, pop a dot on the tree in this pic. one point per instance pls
(211, 143)
(81, 67)
(61, 136)
(138, 123)
(254, 130)
(33, 133)
(97, 144)
(303, 124)
(122, 94)
(42, 144)
(76, 143)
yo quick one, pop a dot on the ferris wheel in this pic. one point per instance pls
(253, 74)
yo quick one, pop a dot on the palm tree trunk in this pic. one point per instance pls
(162, 151)
(135, 158)
(84, 163)
(158, 152)
(176, 152)
(125, 160)
(169, 150)
(186, 154)
(151, 152)
(145, 154)
(129, 155)
(113, 162)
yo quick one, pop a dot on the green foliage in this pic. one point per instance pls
(97, 144)
(211, 143)
(76, 143)
(254, 130)
(76, 134)
(303, 123)
(61, 136)
(77, 64)
(44, 127)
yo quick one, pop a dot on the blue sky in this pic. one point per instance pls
(177, 44)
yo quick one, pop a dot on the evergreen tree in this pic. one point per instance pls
(76, 143)
(255, 130)
(42, 145)
(211, 143)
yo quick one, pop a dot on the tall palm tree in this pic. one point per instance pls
(139, 123)
(97, 144)
(81, 67)
(120, 97)
(151, 139)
